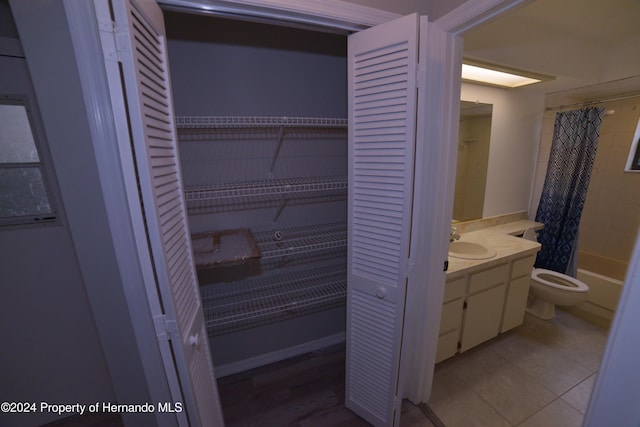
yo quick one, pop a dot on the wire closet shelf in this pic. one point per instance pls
(237, 305)
(197, 196)
(261, 301)
(222, 122)
(276, 294)
(301, 240)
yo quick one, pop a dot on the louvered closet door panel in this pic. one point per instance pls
(382, 103)
(148, 93)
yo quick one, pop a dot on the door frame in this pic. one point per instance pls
(441, 121)
(320, 15)
(433, 204)
(123, 207)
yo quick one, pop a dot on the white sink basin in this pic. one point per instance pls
(470, 250)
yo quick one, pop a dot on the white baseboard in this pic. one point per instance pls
(276, 356)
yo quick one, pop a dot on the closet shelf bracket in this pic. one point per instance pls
(277, 151)
(283, 204)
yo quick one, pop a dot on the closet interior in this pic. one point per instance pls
(262, 132)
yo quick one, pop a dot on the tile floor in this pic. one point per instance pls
(538, 374)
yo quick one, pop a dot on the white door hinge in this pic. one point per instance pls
(165, 329)
(397, 403)
(114, 41)
(421, 74)
(411, 266)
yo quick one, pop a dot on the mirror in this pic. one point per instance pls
(473, 158)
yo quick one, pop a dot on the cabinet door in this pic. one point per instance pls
(450, 329)
(382, 138)
(516, 303)
(482, 317)
(451, 318)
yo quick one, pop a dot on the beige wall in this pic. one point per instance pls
(402, 7)
(611, 215)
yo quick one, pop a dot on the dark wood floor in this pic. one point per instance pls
(305, 391)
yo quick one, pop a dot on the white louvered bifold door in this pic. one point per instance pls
(142, 48)
(382, 110)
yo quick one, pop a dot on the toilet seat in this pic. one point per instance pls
(558, 280)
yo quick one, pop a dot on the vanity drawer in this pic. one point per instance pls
(523, 266)
(488, 278)
(455, 289)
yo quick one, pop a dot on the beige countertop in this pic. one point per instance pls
(516, 227)
(502, 239)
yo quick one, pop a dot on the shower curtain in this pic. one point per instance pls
(573, 151)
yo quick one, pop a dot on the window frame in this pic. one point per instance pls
(40, 165)
(633, 161)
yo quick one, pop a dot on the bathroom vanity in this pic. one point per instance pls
(487, 296)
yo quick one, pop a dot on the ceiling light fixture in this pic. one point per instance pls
(492, 75)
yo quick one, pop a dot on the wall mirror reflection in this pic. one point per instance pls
(473, 158)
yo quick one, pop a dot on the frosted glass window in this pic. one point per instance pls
(16, 140)
(23, 190)
(23, 193)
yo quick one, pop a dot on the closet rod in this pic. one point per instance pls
(584, 104)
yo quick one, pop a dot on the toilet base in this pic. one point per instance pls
(541, 308)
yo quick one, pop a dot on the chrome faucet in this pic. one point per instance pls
(453, 235)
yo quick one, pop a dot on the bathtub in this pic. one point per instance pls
(603, 295)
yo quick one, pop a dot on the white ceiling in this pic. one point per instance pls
(582, 43)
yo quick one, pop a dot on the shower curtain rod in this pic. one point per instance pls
(584, 104)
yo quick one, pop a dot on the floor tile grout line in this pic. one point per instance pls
(539, 410)
(554, 393)
(567, 355)
(485, 400)
(569, 403)
(524, 373)
(564, 326)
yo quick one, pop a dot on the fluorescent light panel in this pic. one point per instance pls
(494, 77)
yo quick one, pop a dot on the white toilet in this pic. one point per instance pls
(550, 288)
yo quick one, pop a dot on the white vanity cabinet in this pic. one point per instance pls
(483, 303)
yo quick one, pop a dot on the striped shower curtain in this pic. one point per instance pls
(573, 151)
